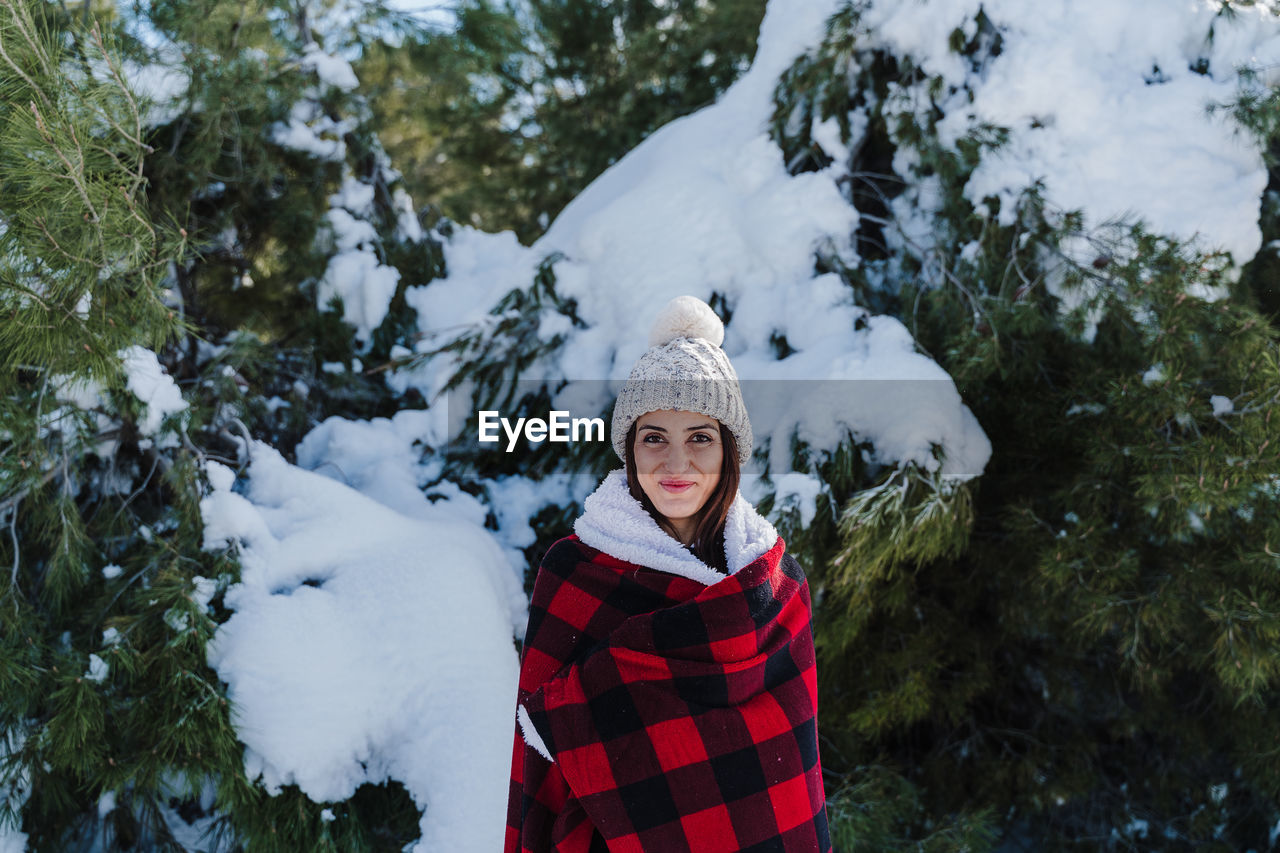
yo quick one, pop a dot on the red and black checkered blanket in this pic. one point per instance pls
(658, 714)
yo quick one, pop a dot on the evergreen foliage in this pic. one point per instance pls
(525, 102)
(82, 263)
(1083, 641)
(1079, 649)
(195, 230)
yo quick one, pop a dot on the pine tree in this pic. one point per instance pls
(1082, 643)
(82, 292)
(178, 278)
(527, 101)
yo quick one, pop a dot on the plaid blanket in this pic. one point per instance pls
(661, 714)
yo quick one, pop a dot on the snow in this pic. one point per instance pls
(85, 394)
(106, 803)
(482, 267)
(309, 130)
(355, 195)
(348, 232)
(376, 457)
(366, 645)
(407, 225)
(1195, 521)
(371, 629)
(705, 206)
(97, 669)
(154, 388)
(515, 500)
(1221, 405)
(13, 792)
(382, 458)
(800, 490)
(364, 284)
(204, 591)
(355, 273)
(82, 392)
(176, 619)
(332, 70)
(111, 571)
(1088, 118)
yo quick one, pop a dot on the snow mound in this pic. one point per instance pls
(364, 646)
(382, 458)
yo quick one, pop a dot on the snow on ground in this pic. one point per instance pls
(366, 645)
(382, 458)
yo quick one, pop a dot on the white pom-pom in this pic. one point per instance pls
(686, 317)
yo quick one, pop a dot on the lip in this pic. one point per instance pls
(676, 486)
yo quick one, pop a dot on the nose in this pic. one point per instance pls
(677, 459)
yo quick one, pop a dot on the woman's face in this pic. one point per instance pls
(678, 459)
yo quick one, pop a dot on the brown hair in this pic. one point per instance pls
(708, 528)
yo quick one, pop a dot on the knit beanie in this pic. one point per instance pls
(684, 369)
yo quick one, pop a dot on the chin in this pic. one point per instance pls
(677, 511)
(674, 514)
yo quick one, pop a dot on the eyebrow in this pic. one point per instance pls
(687, 429)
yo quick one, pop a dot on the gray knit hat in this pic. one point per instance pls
(684, 368)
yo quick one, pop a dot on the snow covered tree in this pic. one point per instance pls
(1045, 598)
(291, 203)
(1045, 653)
(191, 200)
(1088, 649)
(289, 246)
(524, 102)
(92, 433)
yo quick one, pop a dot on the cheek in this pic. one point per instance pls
(711, 458)
(647, 457)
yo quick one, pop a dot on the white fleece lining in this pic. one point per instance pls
(530, 734)
(614, 522)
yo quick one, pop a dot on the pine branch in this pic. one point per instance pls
(73, 174)
(17, 15)
(135, 112)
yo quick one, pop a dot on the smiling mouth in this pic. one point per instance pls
(676, 485)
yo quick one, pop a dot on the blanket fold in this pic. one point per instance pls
(667, 714)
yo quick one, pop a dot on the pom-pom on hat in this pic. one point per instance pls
(684, 369)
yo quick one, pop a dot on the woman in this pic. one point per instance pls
(667, 699)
